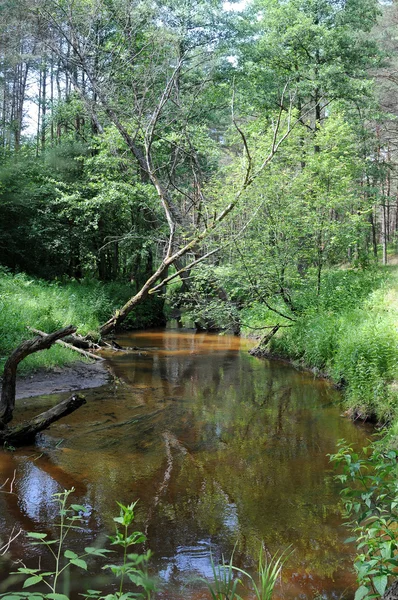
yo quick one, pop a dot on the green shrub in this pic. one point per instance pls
(370, 498)
(350, 332)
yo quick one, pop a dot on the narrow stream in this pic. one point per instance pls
(219, 447)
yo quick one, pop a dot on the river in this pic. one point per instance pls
(220, 448)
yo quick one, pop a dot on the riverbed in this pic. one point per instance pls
(221, 449)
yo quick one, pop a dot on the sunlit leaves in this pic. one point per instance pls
(370, 501)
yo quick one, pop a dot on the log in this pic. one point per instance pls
(7, 401)
(260, 349)
(69, 346)
(81, 342)
(25, 432)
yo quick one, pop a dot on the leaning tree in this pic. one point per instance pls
(151, 72)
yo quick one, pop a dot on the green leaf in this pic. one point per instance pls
(380, 583)
(36, 536)
(70, 554)
(79, 563)
(97, 551)
(55, 596)
(25, 570)
(79, 508)
(12, 597)
(32, 580)
(361, 592)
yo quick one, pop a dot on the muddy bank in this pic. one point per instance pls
(78, 376)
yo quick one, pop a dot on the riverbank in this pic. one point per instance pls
(69, 378)
(27, 301)
(350, 335)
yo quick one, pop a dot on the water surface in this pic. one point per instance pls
(219, 447)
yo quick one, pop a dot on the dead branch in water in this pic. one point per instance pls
(24, 432)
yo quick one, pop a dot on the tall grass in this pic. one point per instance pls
(48, 306)
(351, 333)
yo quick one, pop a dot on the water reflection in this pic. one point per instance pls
(220, 447)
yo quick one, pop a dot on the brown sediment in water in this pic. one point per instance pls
(220, 448)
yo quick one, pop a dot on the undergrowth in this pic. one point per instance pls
(350, 333)
(26, 301)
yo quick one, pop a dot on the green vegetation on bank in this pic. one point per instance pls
(28, 301)
(350, 333)
(138, 169)
(370, 499)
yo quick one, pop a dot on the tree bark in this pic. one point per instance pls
(7, 401)
(76, 344)
(392, 592)
(24, 432)
(261, 346)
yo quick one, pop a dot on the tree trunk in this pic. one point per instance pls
(7, 401)
(260, 349)
(143, 293)
(24, 432)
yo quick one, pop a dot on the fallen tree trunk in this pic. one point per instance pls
(7, 401)
(261, 346)
(69, 346)
(25, 431)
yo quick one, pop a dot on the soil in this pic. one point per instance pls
(78, 376)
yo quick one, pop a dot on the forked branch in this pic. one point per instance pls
(25, 431)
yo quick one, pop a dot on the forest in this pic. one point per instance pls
(227, 167)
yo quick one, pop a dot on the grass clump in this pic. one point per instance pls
(27, 301)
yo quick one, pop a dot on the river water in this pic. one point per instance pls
(220, 448)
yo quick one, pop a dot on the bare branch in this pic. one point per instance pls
(11, 538)
(183, 270)
(242, 135)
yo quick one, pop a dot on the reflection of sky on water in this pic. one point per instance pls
(231, 518)
(35, 491)
(197, 559)
(189, 559)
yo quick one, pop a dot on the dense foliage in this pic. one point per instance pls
(27, 301)
(235, 169)
(244, 156)
(370, 496)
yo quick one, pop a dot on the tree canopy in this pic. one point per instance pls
(236, 154)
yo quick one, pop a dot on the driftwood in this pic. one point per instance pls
(69, 346)
(28, 429)
(25, 431)
(261, 346)
(85, 343)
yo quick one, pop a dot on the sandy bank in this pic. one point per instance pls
(78, 376)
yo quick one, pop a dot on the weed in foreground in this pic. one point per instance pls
(132, 571)
(370, 498)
